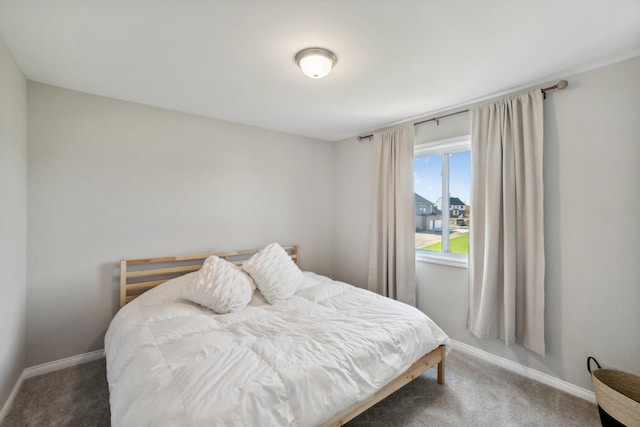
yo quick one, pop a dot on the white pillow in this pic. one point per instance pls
(220, 286)
(275, 273)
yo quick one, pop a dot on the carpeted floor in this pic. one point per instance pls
(76, 396)
(476, 393)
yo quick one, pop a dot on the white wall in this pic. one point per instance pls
(110, 180)
(13, 221)
(353, 197)
(592, 231)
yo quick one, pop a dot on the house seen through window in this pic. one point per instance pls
(442, 223)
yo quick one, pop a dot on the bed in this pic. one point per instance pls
(320, 357)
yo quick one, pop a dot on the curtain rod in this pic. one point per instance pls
(560, 85)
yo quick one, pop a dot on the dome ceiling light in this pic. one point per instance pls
(315, 62)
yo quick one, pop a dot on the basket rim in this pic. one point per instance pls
(622, 382)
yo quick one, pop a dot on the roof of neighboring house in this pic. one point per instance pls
(420, 199)
(452, 201)
(455, 201)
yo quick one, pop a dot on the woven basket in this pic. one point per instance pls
(618, 396)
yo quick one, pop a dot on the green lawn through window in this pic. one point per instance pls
(458, 245)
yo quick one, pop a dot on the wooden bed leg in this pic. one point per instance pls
(441, 366)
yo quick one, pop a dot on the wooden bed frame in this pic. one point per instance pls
(139, 275)
(426, 362)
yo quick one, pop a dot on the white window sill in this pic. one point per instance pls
(452, 260)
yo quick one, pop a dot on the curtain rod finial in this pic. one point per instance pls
(562, 84)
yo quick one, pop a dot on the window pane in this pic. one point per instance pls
(459, 208)
(427, 173)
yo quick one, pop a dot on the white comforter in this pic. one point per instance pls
(173, 363)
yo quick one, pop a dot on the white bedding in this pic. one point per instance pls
(295, 363)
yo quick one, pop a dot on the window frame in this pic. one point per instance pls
(445, 147)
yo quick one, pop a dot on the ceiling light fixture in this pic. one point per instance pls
(315, 62)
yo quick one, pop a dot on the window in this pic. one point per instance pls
(442, 230)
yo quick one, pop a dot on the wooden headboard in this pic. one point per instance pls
(139, 275)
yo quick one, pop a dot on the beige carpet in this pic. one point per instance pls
(475, 394)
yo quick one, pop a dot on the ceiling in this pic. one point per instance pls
(233, 59)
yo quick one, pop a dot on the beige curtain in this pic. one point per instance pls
(392, 249)
(506, 259)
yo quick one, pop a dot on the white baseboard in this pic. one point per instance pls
(7, 405)
(45, 368)
(56, 365)
(525, 371)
